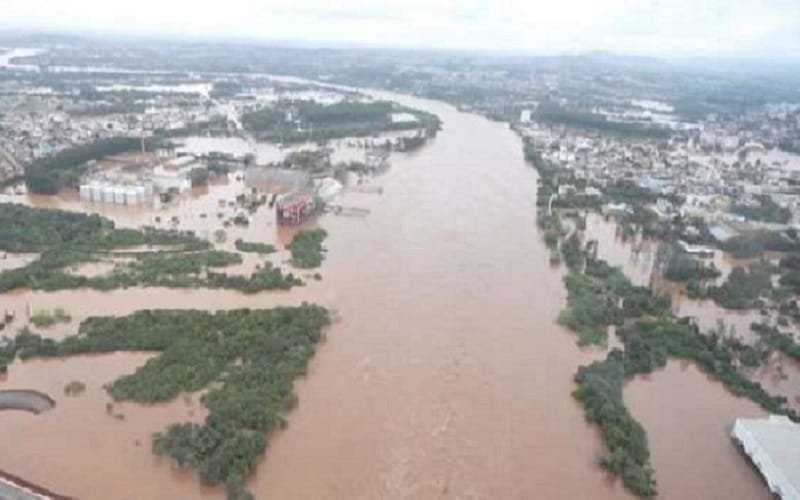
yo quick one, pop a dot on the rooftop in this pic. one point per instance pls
(773, 445)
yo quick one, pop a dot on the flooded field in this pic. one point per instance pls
(445, 377)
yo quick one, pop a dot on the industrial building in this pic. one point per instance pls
(133, 181)
(296, 208)
(100, 191)
(773, 445)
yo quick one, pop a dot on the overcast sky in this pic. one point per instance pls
(653, 27)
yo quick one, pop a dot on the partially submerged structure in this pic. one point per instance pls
(773, 445)
(276, 179)
(31, 401)
(16, 488)
(296, 208)
(134, 180)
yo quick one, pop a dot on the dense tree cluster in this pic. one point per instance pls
(745, 288)
(766, 210)
(627, 191)
(301, 120)
(264, 119)
(778, 340)
(552, 112)
(66, 239)
(50, 174)
(248, 360)
(571, 251)
(306, 248)
(682, 267)
(342, 112)
(602, 296)
(26, 229)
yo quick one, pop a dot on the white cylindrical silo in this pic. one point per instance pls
(119, 194)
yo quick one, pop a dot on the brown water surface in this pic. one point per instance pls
(688, 418)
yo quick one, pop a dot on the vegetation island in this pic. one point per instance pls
(244, 360)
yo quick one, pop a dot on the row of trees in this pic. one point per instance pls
(766, 210)
(682, 267)
(745, 287)
(747, 246)
(251, 247)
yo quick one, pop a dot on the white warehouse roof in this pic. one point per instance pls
(773, 445)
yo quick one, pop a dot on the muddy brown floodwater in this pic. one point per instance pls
(686, 416)
(447, 376)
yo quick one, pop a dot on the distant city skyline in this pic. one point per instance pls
(671, 28)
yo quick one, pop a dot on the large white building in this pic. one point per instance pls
(126, 188)
(99, 191)
(773, 444)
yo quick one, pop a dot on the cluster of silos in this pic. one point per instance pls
(118, 194)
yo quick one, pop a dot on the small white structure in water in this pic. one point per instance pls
(165, 180)
(328, 188)
(773, 444)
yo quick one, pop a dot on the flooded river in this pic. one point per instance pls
(446, 377)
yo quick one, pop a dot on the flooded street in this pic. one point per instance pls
(446, 377)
